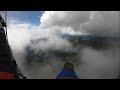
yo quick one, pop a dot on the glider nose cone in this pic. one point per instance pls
(68, 66)
(67, 72)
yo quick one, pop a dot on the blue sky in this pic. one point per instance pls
(32, 17)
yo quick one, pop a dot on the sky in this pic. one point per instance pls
(73, 21)
(24, 26)
(25, 16)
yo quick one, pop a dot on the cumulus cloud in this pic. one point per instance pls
(92, 22)
(102, 23)
(71, 19)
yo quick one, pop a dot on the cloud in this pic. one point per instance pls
(53, 42)
(18, 36)
(92, 22)
(98, 64)
(64, 18)
(2, 13)
(102, 23)
(21, 34)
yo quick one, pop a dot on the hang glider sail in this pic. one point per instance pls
(8, 66)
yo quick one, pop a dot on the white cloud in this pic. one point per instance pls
(103, 23)
(93, 22)
(54, 40)
(64, 18)
(20, 35)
